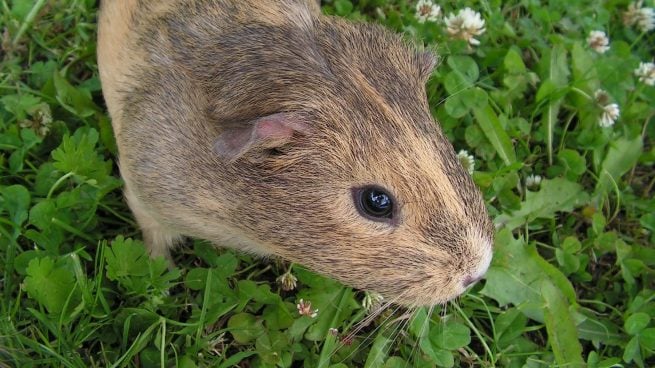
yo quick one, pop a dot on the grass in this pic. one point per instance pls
(571, 283)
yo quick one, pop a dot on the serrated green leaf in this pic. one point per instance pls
(77, 154)
(126, 257)
(516, 274)
(556, 195)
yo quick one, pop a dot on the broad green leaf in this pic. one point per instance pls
(621, 157)
(245, 327)
(562, 334)
(74, 99)
(271, 345)
(583, 67)
(396, 362)
(516, 274)
(631, 351)
(465, 66)
(513, 61)
(450, 335)
(52, 284)
(636, 322)
(16, 201)
(598, 330)
(278, 316)
(490, 125)
(510, 325)
(343, 7)
(248, 289)
(647, 338)
(573, 163)
(379, 351)
(333, 313)
(42, 213)
(556, 195)
(334, 302)
(461, 103)
(456, 83)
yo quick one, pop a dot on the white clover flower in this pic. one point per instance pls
(465, 25)
(467, 160)
(646, 73)
(305, 309)
(642, 18)
(287, 281)
(646, 21)
(533, 181)
(426, 10)
(598, 41)
(610, 113)
(371, 300)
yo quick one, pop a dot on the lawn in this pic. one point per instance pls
(551, 107)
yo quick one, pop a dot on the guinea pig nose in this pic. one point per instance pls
(470, 280)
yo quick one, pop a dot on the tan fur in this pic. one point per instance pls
(178, 75)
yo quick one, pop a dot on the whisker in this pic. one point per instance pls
(426, 323)
(347, 338)
(384, 325)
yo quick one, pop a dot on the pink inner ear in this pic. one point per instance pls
(267, 132)
(273, 127)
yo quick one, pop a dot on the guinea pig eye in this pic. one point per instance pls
(374, 203)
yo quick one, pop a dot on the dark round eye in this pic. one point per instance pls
(375, 203)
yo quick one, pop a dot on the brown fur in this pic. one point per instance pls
(179, 74)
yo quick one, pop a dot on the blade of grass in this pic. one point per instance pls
(493, 130)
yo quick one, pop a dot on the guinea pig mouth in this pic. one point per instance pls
(441, 286)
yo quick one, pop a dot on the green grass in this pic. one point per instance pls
(572, 281)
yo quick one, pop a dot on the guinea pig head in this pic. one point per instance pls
(354, 179)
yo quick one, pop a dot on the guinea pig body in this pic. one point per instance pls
(267, 127)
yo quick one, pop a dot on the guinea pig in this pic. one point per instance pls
(267, 127)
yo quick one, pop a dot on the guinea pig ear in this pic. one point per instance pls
(427, 61)
(268, 132)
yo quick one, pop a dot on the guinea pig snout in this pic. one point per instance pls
(470, 280)
(483, 262)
